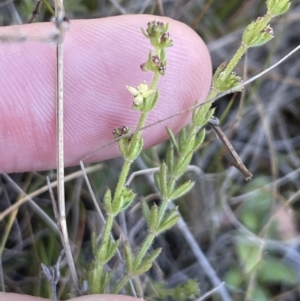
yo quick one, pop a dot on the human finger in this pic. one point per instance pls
(101, 56)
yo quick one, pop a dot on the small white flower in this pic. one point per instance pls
(141, 93)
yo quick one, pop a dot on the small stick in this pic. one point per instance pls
(59, 18)
(36, 11)
(237, 162)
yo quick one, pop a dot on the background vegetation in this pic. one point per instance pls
(247, 231)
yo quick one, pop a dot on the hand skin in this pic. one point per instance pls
(17, 297)
(100, 57)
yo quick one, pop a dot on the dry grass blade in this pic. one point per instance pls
(45, 188)
(59, 18)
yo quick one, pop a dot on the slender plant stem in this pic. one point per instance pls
(162, 210)
(144, 249)
(141, 254)
(49, 8)
(122, 178)
(155, 80)
(127, 164)
(235, 59)
(121, 284)
(108, 227)
(59, 14)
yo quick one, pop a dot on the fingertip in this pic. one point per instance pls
(101, 57)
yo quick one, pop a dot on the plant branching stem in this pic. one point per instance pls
(125, 170)
(234, 61)
(141, 254)
(144, 249)
(108, 227)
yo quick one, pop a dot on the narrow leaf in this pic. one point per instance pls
(209, 115)
(172, 138)
(153, 218)
(128, 197)
(107, 200)
(201, 117)
(117, 205)
(170, 158)
(142, 269)
(135, 149)
(170, 215)
(151, 104)
(182, 164)
(166, 225)
(182, 140)
(128, 257)
(157, 181)
(123, 147)
(112, 248)
(146, 211)
(163, 179)
(104, 282)
(190, 141)
(152, 256)
(199, 139)
(181, 190)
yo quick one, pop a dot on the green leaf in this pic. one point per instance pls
(153, 218)
(128, 257)
(257, 33)
(152, 256)
(199, 140)
(224, 83)
(170, 158)
(166, 225)
(128, 197)
(142, 269)
(181, 165)
(278, 7)
(182, 140)
(97, 279)
(260, 294)
(111, 249)
(209, 114)
(146, 211)
(157, 180)
(202, 115)
(181, 190)
(251, 220)
(234, 277)
(250, 254)
(190, 142)
(117, 205)
(274, 271)
(172, 138)
(101, 252)
(151, 104)
(107, 200)
(163, 179)
(136, 147)
(169, 220)
(123, 147)
(194, 112)
(103, 282)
